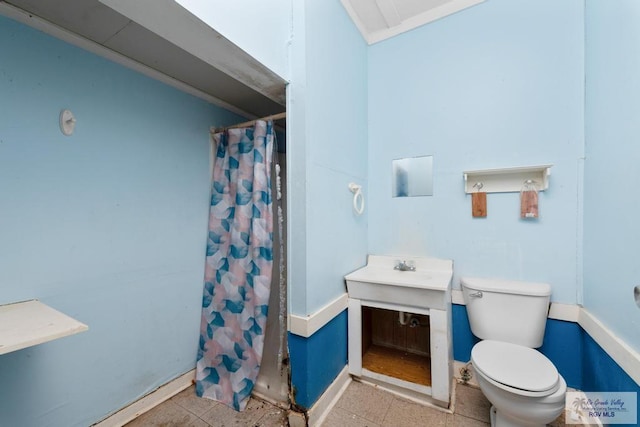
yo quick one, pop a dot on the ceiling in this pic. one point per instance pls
(218, 70)
(378, 20)
(162, 39)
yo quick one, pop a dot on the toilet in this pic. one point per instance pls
(523, 386)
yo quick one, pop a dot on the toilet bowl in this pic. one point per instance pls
(523, 386)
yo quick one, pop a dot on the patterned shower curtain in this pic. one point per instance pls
(238, 266)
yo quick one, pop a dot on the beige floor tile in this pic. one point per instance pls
(339, 417)
(471, 403)
(366, 401)
(192, 403)
(403, 413)
(167, 414)
(224, 416)
(274, 417)
(361, 405)
(460, 421)
(560, 421)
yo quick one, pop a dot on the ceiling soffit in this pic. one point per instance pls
(379, 20)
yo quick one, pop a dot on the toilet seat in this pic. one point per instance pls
(519, 369)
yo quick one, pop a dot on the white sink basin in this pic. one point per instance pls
(428, 287)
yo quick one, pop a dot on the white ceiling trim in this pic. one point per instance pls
(395, 25)
(389, 12)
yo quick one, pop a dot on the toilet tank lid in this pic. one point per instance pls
(506, 286)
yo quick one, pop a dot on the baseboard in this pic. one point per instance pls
(564, 312)
(148, 402)
(305, 326)
(322, 407)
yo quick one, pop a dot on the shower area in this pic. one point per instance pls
(243, 334)
(273, 380)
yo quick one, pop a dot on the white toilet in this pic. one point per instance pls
(523, 386)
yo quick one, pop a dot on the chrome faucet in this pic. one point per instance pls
(403, 266)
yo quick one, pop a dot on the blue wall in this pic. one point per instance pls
(611, 268)
(107, 225)
(503, 84)
(316, 361)
(326, 150)
(580, 360)
(500, 84)
(463, 338)
(562, 345)
(601, 373)
(332, 125)
(336, 105)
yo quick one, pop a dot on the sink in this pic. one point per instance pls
(425, 291)
(428, 287)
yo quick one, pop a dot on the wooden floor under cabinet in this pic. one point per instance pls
(399, 364)
(396, 349)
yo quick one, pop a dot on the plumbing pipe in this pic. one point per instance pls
(401, 318)
(408, 319)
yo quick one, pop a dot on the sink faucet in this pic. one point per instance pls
(403, 266)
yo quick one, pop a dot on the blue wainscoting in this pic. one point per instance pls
(601, 373)
(579, 359)
(316, 361)
(563, 346)
(463, 339)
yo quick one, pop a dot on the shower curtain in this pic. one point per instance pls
(238, 267)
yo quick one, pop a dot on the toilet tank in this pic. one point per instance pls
(506, 310)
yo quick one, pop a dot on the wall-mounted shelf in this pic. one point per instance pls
(28, 323)
(506, 180)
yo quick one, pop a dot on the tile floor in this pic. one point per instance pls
(188, 410)
(361, 405)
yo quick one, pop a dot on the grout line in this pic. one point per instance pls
(384, 419)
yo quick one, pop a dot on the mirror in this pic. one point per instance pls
(413, 176)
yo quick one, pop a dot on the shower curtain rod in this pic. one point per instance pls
(249, 123)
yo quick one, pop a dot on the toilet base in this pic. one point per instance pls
(498, 420)
(513, 410)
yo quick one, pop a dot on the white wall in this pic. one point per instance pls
(497, 85)
(260, 28)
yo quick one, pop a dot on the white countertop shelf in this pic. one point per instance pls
(28, 323)
(506, 180)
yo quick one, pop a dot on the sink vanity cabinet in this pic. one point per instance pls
(400, 326)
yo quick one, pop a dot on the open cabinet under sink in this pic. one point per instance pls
(400, 326)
